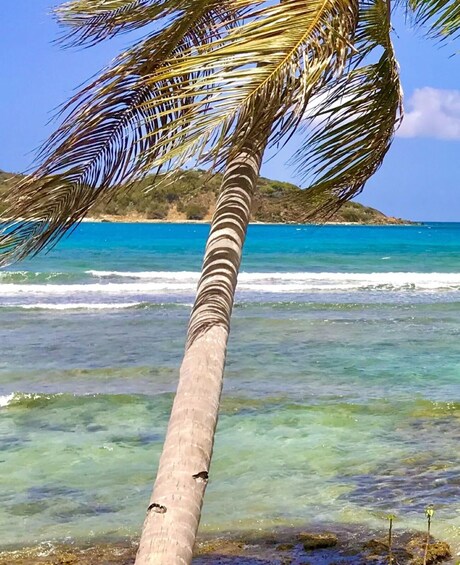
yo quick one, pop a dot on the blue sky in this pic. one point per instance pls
(419, 179)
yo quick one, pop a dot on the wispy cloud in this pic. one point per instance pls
(434, 113)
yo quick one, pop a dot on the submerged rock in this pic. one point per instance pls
(378, 551)
(101, 554)
(222, 546)
(317, 541)
(285, 547)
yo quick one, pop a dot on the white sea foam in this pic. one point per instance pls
(163, 286)
(8, 274)
(297, 282)
(79, 306)
(6, 399)
(136, 287)
(150, 275)
(17, 397)
(31, 275)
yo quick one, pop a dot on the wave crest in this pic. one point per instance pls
(116, 290)
(120, 282)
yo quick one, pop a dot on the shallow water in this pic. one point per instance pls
(341, 400)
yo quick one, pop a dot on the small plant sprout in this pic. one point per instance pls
(390, 518)
(429, 513)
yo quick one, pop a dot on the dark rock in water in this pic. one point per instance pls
(376, 546)
(28, 508)
(428, 472)
(12, 443)
(405, 490)
(438, 551)
(222, 546)
(409, 549)
(45, 492)
(285, 547)
(317, 541)
(377, 551)
(95, 428)
(104, 554)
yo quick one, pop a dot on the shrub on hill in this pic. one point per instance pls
(157, 211)
(194, 211)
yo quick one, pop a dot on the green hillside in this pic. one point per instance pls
(192, 196)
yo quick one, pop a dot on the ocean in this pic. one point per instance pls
(341, 401)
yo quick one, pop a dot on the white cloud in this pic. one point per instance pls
(432, 113)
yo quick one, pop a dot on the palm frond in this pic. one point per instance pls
(92, 21)
(440, 17)
(188, 91)
(269, 65)
(352, 125)
(101, 144)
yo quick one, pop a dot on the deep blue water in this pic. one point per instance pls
(179, 247)
(341, 400)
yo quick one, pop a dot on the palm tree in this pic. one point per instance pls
(216, 82)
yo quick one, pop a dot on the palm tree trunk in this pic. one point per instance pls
(173, 516)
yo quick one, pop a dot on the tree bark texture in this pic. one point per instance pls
(174, 512)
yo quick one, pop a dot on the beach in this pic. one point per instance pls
(341, 400)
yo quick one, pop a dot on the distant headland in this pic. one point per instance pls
(191, 196)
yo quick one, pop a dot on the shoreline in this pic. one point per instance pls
(142, 220)
(359, 544)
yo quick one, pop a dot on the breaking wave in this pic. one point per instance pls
(116, 290)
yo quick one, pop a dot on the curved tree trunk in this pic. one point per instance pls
(174, 513)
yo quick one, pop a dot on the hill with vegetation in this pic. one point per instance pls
(192, 196)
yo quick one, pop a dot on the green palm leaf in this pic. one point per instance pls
(352, 126)
(92, 21)
(303, 41)
(440, 17)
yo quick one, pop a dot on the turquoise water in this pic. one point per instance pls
(341, 402)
